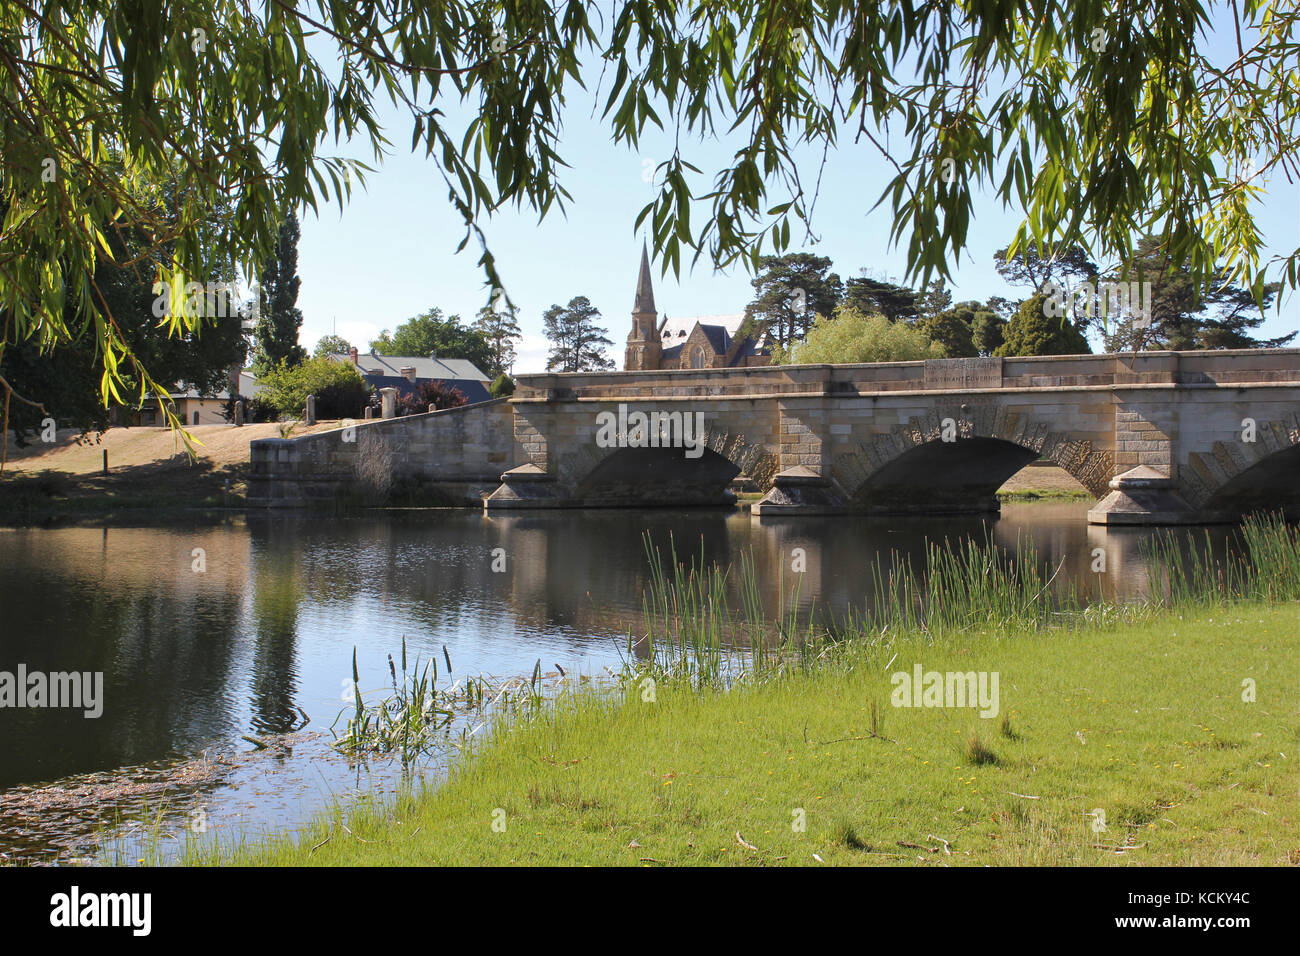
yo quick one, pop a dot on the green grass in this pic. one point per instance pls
(1144, 721)
(1046, 494)
(793, 753)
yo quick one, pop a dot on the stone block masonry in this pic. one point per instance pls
(457, 455)
(1208, 434)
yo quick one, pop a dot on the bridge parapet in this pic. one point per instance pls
(1244, 366)
(872, 436)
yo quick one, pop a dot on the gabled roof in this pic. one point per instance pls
(674, 331)
(248, 388)
(717, 336)
(369, 364)
(719, 330)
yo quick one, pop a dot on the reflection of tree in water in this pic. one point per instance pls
(277, 591)
(163, 641)
(590, 575)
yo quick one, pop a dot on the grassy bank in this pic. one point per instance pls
(1045, 494)
(149, 471)
(1144, 721)
(1122, 736)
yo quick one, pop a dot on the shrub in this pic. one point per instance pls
(417, 401)
(340, 392)
(502, 386)
(854, 336)
(1030, 332)
(953, 329)
(256, 411)
(373, 467)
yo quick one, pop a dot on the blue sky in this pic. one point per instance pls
(390, 253)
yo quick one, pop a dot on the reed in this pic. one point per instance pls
(1265, 566)
(692, 634)
(407, 722)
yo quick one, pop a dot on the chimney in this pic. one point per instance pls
(407, 372)
(354, 355)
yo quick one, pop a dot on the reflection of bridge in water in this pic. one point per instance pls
(1159, 438)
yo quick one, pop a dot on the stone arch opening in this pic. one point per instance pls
(912, 469)
(658, 477)
(1268, 481)
(937, 477)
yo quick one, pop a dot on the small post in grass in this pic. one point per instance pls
(106, 461)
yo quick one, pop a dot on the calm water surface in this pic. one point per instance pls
(195, 659)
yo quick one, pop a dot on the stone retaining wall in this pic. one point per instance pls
(458, 453)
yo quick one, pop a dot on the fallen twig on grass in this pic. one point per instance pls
(946, 846)
(351, 834)
(917, 846)
(1122, 848)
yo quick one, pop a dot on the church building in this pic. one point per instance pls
(708, 341)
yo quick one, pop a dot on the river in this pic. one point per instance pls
(210, 630)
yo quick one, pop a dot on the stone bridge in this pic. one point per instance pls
(1157, 438)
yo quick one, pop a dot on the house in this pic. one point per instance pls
(709, 341)
(406, 372)
(191, 407)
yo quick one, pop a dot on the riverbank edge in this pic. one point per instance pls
(611, 779)
(25, 508)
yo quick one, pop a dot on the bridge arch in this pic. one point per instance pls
(959, 462)
(670, 476)
(1241, 476)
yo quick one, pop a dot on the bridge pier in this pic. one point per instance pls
(527, 486)
(1156, 438)
(800, 491)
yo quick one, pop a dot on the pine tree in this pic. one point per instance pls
(877, 297)
(1186, 316)
(500, 326)
(933, 301)
(279, 318)
(576, 341)
(790, 291)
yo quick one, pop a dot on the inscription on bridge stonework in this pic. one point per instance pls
(963, 373)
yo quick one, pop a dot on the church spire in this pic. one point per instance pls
(644, 348)
(645, 294)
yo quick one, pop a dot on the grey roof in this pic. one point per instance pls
(718, 330)
(717, 336)
(673, 330)
(389, 366)
(753, 347)
(248, 388)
